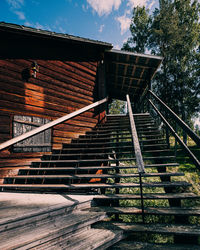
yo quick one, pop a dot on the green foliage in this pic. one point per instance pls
(140, 26)
(117, 107)
(175, 36)
(173, 32)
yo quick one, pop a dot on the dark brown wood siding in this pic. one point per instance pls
(60, 87)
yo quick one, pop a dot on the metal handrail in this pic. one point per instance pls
(193, 157)
(50, 124)
(180, 122)
(138, 154)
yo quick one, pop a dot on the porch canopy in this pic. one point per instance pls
(129, 73)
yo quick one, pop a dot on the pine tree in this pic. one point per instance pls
(175, 36)
(139, 28)
(173, 32)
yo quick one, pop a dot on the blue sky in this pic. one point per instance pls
(104, 20)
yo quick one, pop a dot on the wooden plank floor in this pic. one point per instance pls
(15, 205)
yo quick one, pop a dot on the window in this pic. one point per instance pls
(38, 143)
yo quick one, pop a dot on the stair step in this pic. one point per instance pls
(104, 131)
(118, 143)
(37, 233)
(118, 154)
(147, 196)
(114, 138)
(89, 176)
(79, 144)
(162, 165)
(94, 167)
(158, 151)
(187, 230)
(89, 239)
(31, 214)
(137, 115)
(126, 117)
(94, 185)
(117, 128)
(96, 143)
(83, 149)
(148, 211)
(102, 160)
(90, 154)
(100, 136)
(104, 148)
(127, 122)
(130, 245)
(125, 126)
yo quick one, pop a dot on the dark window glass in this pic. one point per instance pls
(38, 143)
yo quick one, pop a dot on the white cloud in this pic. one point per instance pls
(135, 3)
(104, 7)
(125, 40)
(62, 30)
(101, 28)
(124, 23)
(15, 4)
(116, 46)
(27, 24)
(151, 4)
(39, 26)
(20, 15)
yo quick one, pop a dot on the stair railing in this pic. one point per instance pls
(137, 149)
(51, 124)
(179, 122)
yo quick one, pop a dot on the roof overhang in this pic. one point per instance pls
(129, 73)
(19, 41)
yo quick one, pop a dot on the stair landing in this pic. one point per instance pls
(18, 205)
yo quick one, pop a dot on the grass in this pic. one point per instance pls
(191, 176)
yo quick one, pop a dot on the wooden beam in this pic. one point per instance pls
(138, 154)
(127, 76)
(133, 72)
(132, 65)
(127, 87)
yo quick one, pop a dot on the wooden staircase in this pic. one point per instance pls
(103, 163)
(61, 226)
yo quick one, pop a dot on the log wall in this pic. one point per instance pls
(60, 87)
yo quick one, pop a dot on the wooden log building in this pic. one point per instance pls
(45, 75)
(57, 87)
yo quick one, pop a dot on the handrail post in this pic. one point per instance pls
(138, 154)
